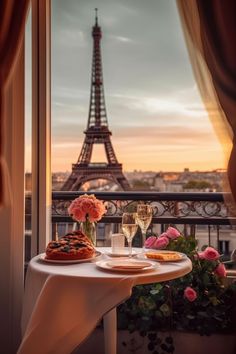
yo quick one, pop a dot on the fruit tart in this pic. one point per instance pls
(72, 246)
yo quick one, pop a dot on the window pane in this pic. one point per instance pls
(153, 106)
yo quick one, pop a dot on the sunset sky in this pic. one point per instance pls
(154, 109)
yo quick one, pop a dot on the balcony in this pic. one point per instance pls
(202, 215)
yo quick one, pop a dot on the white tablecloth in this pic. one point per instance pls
(63, 303)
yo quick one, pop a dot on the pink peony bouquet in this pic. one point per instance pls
(86, 207)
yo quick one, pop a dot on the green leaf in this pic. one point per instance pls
(202, 314)
(157, 286)
(214, 300)
(158, 314)
(146, 303)
(205, 279)
(154, 291)
(165, 309)
(220, 319)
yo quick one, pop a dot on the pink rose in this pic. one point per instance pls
(87, 206)
(164, 234)
(201, 255)
(150, 241)
(101, 207)
(172, 233)
(79, 215)
(190, 294)
(161, 242)
(220, 270)
(211, 254)
(71, 208)
(75, 212)
(94, 215)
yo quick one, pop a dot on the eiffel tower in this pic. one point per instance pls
(97, 132)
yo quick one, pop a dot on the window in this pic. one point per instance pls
(153, 106)
(38, 127)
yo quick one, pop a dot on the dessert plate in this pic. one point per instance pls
(177, 256)
(126, 265)
(68, 261)
(121, 253)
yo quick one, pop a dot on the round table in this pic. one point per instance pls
(64, 302)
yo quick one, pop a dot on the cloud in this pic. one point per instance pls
(71, 38)
(146, 138)
(172, 104)
(165, 136)
(123, 39)
(66, 145)
(168, 106)
(154, 109)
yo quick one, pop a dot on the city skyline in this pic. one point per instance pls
(154, 109)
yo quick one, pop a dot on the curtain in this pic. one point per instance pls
(210, 31)
(12, 25)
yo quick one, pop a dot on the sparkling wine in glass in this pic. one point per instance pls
(144, 218)
(129, 228)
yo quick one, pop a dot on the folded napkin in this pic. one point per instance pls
(128, 264)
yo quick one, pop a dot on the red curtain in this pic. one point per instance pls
(12, 25)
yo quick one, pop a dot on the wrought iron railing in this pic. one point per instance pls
(168, 208)
(204, 214)
(188, 209)
(195, 212)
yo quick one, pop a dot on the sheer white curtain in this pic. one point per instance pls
(210, 32)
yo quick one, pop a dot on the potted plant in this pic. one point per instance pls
(200, 302)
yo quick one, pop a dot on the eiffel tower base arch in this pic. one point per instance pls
(82, 174)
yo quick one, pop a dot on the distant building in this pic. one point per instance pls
(159, 183)
(175, 186)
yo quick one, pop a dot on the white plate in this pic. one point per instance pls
(127, 266)
(123, 253)
(69, 261)
(149, 250)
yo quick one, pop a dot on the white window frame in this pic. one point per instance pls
(41, 125)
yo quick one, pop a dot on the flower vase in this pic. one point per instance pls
(89, 229)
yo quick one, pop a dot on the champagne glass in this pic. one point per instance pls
(144, 218)
(129, 227)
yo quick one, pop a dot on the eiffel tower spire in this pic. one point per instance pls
(97, 131)
(97, 110)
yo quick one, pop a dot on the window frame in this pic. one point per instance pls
(41, 125)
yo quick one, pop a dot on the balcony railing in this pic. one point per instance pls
(187, 209)
(203, 215)
(168, 208)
